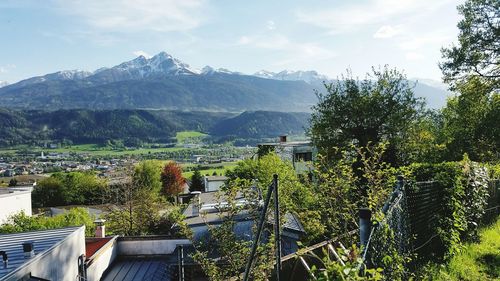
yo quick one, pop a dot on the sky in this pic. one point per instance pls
(40, 37)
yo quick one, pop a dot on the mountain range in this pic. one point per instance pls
(164, 82)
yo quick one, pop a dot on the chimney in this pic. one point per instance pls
(28, 249)
(100, 228)
(196, 203)
(282, 138)
(5, 259)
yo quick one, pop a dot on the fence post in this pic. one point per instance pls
(365, 225)
(277, 227)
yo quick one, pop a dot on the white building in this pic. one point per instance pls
(213, 183)
(42, 255)
(13, 201)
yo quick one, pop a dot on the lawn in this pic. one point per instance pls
(226, 167)
(477, 261)
(97, 150)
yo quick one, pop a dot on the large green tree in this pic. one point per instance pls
(379, 108)
(477, 52)
(471, 122)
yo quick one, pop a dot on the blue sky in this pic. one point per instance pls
(40, 37)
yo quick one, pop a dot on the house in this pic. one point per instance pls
(213, 183)
(205, 209)
(55, 254)
(65, 254)
(14, 200)
(299, 153)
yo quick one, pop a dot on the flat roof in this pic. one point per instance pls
(140, 268)
(291, 221)
(43, 242)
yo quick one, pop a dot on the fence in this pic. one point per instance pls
(415, 213)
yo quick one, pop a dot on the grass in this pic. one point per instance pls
(226, 167)
(189, 135)
(97, 150)
(477, 261)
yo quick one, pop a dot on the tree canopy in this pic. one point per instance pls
(378, 108)
(478, 50)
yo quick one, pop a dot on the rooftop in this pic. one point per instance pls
(43, 241)
(137, 268)
(209, 201)
(215, 178)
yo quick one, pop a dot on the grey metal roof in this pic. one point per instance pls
(43, 241)
(291, 221)
(136, 268)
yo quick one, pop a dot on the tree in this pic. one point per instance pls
(147, 175)
(73, 188)
(12, 182)
(20, 222)
(48, 192)
(136, 212)
(196, 181)
(478, 49)
(471, 122)
(223, 253)
(172, 179)
(379, 108)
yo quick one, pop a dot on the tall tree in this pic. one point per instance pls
(379, 108)
(478, 50)
(471, 122)
(172, 179)
(147, 175)
(196, 181)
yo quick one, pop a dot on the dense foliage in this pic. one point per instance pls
(75, 217)
(478, 50)
(74, 188)
(261, 124)
(379, 108)
(133, 128)
(172, 179)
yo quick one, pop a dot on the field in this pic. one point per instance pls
(216, 168)
(189, 136)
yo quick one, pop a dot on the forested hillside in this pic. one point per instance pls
(135, 126)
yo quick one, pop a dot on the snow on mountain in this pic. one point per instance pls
(310, 76)
(208, 70)
(265, 74)
(60, 75)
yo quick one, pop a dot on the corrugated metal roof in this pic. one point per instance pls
(43, 241)
(132, 269)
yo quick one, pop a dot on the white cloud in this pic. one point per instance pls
(387, 31)
(138, 15)
(6, 68)
(352, 17)
(270, 25)
(296, 52)
(141, 53)
(417, 42)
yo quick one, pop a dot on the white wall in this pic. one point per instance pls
(149, 247)
(213, 185)
(13, 203)
(102, 259)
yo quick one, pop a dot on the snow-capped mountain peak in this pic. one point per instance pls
(309, 76)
